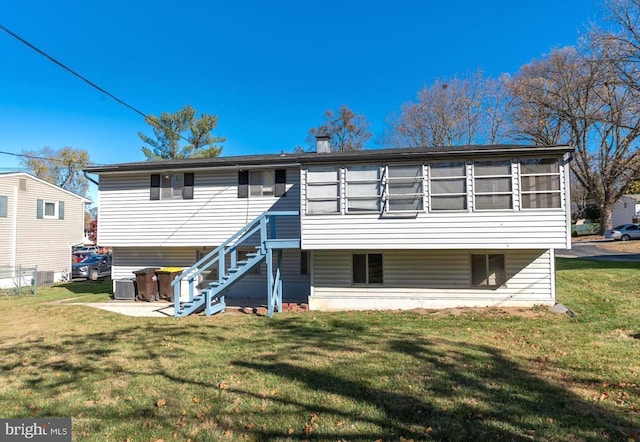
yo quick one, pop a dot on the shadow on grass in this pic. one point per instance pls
(87, 287)
(594, 264)
(461, 391)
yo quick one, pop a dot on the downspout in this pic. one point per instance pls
(84, 173)
(14, 230)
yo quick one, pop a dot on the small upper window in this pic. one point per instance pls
(170, 185)
(448, 186)
(323, 190)
(258, 183)
(49, 209)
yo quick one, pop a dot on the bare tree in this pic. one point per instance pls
(471, 110)
(346, 130)
(577, 98)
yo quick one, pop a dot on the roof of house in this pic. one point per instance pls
(35, 178)
(448, 153)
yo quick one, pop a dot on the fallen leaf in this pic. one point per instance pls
(161, 402)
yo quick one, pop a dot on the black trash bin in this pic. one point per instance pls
(147, 283)
(165, 276)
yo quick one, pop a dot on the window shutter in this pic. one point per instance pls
(187, 190)
(155, 187)
(40, 209)
(281, 182)
(4, 202)
(243, 184)
(60, 209)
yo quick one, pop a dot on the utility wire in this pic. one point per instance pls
(68, 69)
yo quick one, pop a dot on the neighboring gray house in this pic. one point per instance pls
(376, 229)
(39, 223)
(626, 211)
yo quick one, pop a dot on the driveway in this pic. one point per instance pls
(594, 250)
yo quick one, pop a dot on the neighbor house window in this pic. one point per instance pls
(363, 189)
(540, 184)
(49, 209)
(405, 188)
(488, 270)
(448, 186)
(171, 185)
(492, 188)
(4, 206)
(323, 190)
(367, 268)
(258, 183)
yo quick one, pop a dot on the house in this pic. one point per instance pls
(378, 229)
(39, 223)
(626, 211)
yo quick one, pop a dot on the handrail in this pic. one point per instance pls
(258, 224)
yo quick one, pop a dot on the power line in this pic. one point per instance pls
(68, 69)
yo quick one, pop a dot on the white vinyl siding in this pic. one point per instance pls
(431, 279)
(128, 218)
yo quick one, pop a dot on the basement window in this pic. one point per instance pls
(367, 268)
(488, 270)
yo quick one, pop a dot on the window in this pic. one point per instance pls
(170, 185)
(540, 184)
(257, 183)
(405, 188)
(367, 268)
(4, 206)
(304, 262)
(363, 189)
(492, 185)
(488, 270)
(323, 190)
(448, 186)
(49, 209)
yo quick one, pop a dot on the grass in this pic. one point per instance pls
(464, 374)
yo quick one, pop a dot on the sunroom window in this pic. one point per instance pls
(363, 189)
(323, 190)
(492, 185)
(448, 186)
(540, 184)
(405, 188)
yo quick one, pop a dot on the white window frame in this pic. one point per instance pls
(434, 179)
(262, 183)
(334, 183)
(350, 181)
(496, 193)
(55, 209)
(417, 197)
(557, 175)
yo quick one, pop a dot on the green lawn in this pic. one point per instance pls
(493, 374)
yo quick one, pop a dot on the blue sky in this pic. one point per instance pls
(268, 70)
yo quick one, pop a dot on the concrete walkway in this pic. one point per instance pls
(593, 250)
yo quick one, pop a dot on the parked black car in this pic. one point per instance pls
(93, 267)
